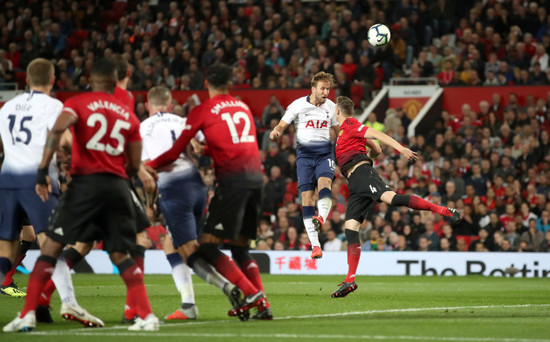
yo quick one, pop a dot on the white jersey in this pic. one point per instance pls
(159, 132)
(24, 124)
(312, 125)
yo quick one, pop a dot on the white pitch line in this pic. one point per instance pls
(111, 331)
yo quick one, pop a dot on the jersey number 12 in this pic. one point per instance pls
(231, 121)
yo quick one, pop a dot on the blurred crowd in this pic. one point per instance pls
(492, 165)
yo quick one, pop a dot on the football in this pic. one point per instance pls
(379, 35)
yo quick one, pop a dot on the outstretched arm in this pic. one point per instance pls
(374, 148)
(278, 130)
(386, 139)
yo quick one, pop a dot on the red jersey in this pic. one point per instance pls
(351, 143)
(228, 126)
(104, 128)
(126, 97)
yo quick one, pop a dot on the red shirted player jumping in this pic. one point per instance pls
(365, 185)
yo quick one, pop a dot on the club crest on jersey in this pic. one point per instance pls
(317, 124)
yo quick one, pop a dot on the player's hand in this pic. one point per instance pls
(43, 190)
(274, 135)
(410, 155)
(198, 148)
(147, 177)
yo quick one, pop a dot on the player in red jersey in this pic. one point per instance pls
(106, 148)
(234, 211)
(123, 77)
(365, 185)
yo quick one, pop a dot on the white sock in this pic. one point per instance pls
(312, 233)
(182, 278)
(324, 205)
(64, 282)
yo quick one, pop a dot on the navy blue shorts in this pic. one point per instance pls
(182, 202)
(15, 203)
(310, 169)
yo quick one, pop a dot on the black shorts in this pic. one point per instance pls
(365, 187)
(93, 233)
(98, 202)
(234, 211)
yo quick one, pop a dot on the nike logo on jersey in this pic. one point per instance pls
(317, 124)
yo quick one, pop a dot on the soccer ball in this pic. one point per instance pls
(379, 35)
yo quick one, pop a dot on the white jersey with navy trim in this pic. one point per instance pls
(312, 125)
(159, 132)
(24, 124)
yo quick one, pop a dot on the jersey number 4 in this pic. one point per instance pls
(234, 120)
(22, 129)
(95, 144)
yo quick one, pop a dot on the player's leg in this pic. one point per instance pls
(415, 202)
(305, 167)
(324, 172)
(117, 224)
(27, 239)
(138, 253)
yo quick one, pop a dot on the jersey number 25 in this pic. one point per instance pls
(95, 144)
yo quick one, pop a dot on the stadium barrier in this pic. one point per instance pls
(526, 265)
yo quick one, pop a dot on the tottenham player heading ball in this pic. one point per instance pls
(379, 35)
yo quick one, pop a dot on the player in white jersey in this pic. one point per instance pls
(314, 117)
(182, 201)
(24, 124)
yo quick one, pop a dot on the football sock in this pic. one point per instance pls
(415, 202)
(354, 253)
(223, 264)
(324, 204)
(133, 278)
(62, 279)
(308, 213)
(23, 248)
(138, 255)
(5, 266)
(206, 272)
(182, 277)
(248, 265)
(42, 272)
(47, 291)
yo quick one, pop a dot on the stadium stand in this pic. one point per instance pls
(281, 44)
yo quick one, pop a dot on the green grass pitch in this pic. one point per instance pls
(467, 309)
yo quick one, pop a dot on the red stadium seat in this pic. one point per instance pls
(80, 34)
(119, 7)
(357, 94)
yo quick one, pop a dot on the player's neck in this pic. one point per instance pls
(215, 92)
(45, 90)
(160, 109)
(123, 83)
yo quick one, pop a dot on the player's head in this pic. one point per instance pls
(122, 67)
(344, 106)
(159, 98)
(103, 75)
(218, 77)
(320, 87)
(40, 73)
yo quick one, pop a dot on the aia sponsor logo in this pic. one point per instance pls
(317, 124)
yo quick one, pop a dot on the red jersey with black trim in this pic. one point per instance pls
(351, 141)
(230, 133)
(126, 97)
(104, 128)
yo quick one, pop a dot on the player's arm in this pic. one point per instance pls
(173, 153)
(278, 130)
(374, 148)
(334, 131)
(386, 139)
(66, 141)
(43, 181)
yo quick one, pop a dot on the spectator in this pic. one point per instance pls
(333, 244)
(534, 238)
(430, 235)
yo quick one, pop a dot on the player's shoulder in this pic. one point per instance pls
(351, 122)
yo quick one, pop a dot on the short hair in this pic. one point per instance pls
(103, 67)
(40, 72)
(345, 104)
(121, 65)
(322, 76)
(218, 75)
(159, 96)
